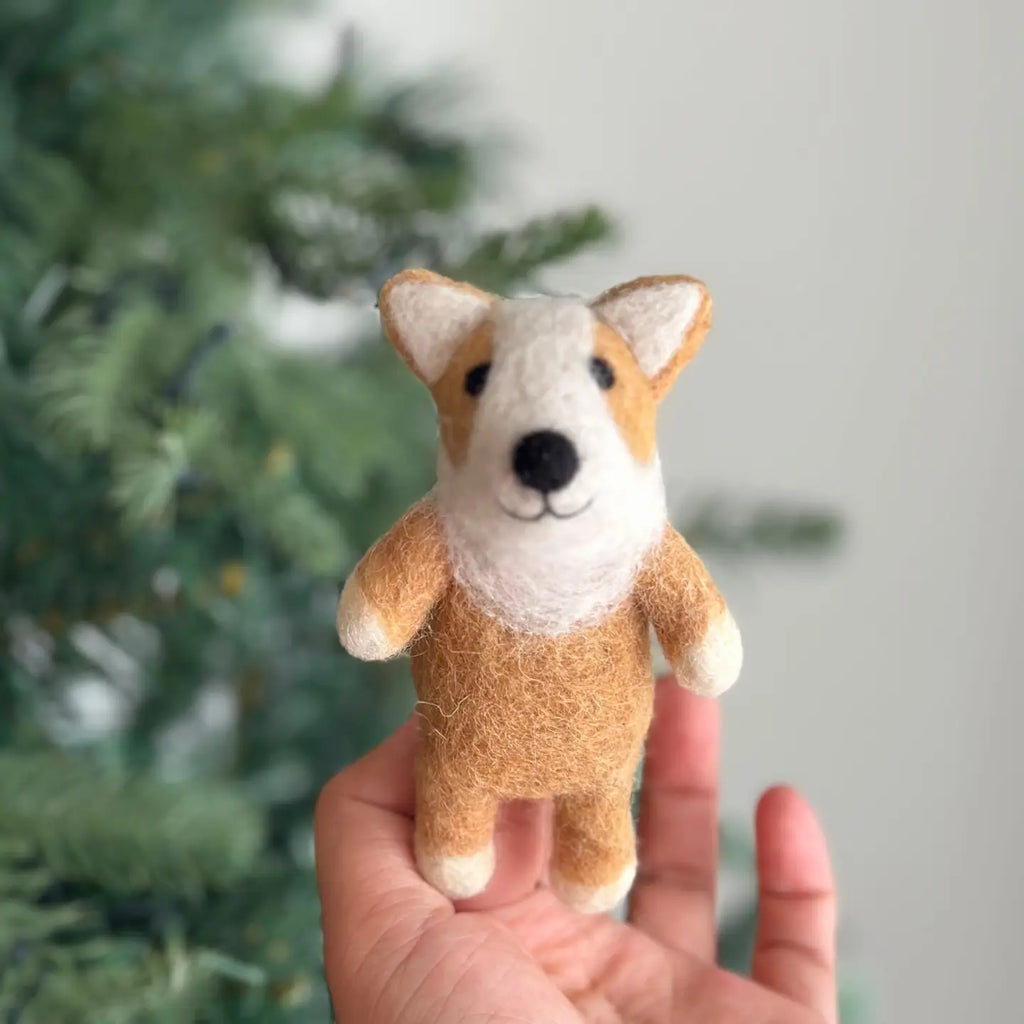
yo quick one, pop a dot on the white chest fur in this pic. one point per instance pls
(551, 576)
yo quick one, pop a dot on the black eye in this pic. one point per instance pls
(476, 379)
(602, 372)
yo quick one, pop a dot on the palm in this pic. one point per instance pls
(603, 966)
(397, 951)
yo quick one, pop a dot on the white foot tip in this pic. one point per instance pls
(458, 878)
(590, 900)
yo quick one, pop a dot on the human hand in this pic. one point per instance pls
(397, 952)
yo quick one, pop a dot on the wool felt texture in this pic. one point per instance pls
(653, 313)
(551, 578)
(524, 587)
(428, 317)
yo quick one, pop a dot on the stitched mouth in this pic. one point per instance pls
(547, 510)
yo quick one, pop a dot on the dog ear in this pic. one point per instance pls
(426, 317)
(662, 319)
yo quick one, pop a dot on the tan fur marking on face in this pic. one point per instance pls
(630, 399)
(456, 409)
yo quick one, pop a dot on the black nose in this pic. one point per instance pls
(545, 460)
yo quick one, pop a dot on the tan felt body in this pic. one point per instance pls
(507, 714)
(526, 715)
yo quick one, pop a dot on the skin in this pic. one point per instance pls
(397, 952)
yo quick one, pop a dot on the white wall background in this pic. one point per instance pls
(847, 178)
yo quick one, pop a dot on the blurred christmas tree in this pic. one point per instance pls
(179, 496)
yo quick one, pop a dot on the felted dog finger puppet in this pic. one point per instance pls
(524, 584)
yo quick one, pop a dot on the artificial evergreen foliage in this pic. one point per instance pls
(179, 495)
(174, 840)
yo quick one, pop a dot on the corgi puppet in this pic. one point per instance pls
(525, 584)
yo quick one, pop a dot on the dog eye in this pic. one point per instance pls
(476, 379)
(602, 372)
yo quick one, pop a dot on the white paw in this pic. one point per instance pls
(458, 878)
(713, 665)
(593, 900)
(359, 627)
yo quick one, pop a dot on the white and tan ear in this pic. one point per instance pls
(662, 319)
(426, 317)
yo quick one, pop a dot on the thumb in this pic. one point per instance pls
(374, 903)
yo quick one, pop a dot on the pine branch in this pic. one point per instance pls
(145, 480)
(128, 836)
(274, 921)
(741, 529)
(300, 526)
(178, 385)
(505, 257)
(113, 981)
(88, 385)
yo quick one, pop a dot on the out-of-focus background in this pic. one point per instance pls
(200, 430)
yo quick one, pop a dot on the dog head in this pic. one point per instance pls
(547, 406)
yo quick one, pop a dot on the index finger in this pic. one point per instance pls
(674, 896)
